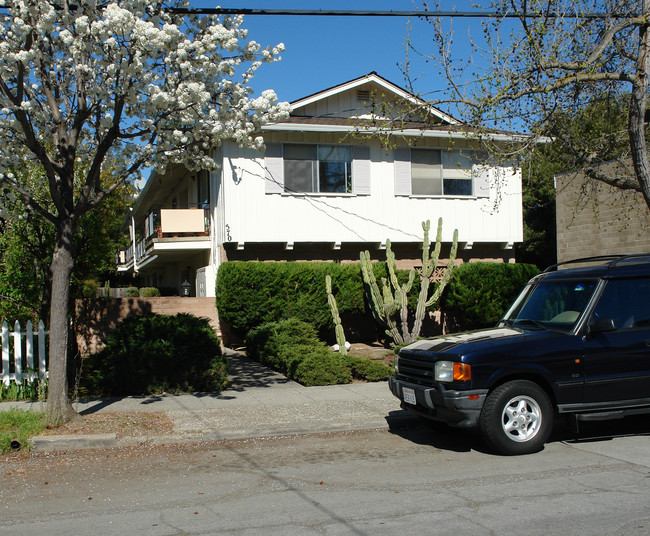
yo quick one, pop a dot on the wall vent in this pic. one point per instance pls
(363, 95)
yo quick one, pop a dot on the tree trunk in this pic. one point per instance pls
(638, 103)
(59, 408)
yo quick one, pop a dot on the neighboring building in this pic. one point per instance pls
(594, 218)
(325, 189)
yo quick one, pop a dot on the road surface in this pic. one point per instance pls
(415, 480)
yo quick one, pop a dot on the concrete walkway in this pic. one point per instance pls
(258, 403)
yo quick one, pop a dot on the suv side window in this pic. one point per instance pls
(627, 302)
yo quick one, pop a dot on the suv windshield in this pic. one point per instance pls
(550, 304)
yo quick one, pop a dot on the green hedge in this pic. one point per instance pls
(157, 353)
(479, 293)
(132, 292)
(292, 347)
(149, 292)
(251, 293)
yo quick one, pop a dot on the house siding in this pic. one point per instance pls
(254, 216)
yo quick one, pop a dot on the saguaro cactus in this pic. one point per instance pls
(394, 296)
(338, 327)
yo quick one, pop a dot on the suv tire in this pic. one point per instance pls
(517, 418)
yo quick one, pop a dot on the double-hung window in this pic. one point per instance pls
(439, 172)
(317, 168)
(293, 168)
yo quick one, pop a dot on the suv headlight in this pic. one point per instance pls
(449, 371)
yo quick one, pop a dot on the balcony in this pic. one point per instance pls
(167, 229)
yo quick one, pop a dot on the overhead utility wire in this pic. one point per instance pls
(356, 13)
(390, 13)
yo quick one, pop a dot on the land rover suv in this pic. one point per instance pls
(576, 342)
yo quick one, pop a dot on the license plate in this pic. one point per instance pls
(408, 395)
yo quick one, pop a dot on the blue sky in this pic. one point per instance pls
(325, 51)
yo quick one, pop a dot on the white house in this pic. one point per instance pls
(328, 186)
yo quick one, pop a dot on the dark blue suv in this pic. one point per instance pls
(576, 342)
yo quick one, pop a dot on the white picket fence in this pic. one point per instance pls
(14, 367)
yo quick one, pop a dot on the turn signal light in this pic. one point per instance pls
(462, 372)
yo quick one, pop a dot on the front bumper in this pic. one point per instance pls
(456, 408)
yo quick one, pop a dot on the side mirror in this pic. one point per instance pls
(602, 325)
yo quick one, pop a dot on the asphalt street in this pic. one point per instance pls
(407, 479)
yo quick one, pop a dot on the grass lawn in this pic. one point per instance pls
(20, 426)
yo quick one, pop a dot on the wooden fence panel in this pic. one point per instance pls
(12, 355)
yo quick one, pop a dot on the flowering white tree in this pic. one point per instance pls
(83, 81)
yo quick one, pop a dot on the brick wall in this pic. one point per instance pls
(95, 319)
(594, 218)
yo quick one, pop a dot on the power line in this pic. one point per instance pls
(389, 13)
(360, 13)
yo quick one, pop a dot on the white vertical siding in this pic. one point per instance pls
(252, 215)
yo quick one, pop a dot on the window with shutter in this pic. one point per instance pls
(438, 172)
(304, 168)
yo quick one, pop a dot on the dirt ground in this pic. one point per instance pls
(119, 423)
(376, 351)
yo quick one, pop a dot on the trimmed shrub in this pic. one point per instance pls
(149, 292)
(271, 343)
(480, 292)
(292, 348)
(323, 367)
(157, 353)
(251, 293)
(367, 369)
(132, 292)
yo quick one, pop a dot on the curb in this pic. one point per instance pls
(53, 443)
(58, 443)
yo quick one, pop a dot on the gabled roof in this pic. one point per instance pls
(386, 85)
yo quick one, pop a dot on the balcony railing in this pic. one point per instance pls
(165, 222)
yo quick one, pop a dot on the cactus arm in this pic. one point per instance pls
(423, 301)
(338, 327)
(448, 272)
(374, 295)
(394, 296)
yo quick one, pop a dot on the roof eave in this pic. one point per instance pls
(292, 127)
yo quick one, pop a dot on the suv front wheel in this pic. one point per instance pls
(517, 418)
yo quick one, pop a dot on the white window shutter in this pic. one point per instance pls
(402, 167)
(361, 170)
(274, 166)
(481, 176)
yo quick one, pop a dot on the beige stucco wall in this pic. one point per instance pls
(594, 218)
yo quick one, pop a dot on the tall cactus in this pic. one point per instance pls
(394, 296)
(338, 327)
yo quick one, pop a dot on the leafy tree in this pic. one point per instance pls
(82, 81)
(543, 63)
(27, 242)
(597, 127)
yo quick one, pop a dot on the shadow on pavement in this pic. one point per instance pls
(443, 437)
(245, 373)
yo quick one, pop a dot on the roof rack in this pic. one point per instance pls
(610, 260)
